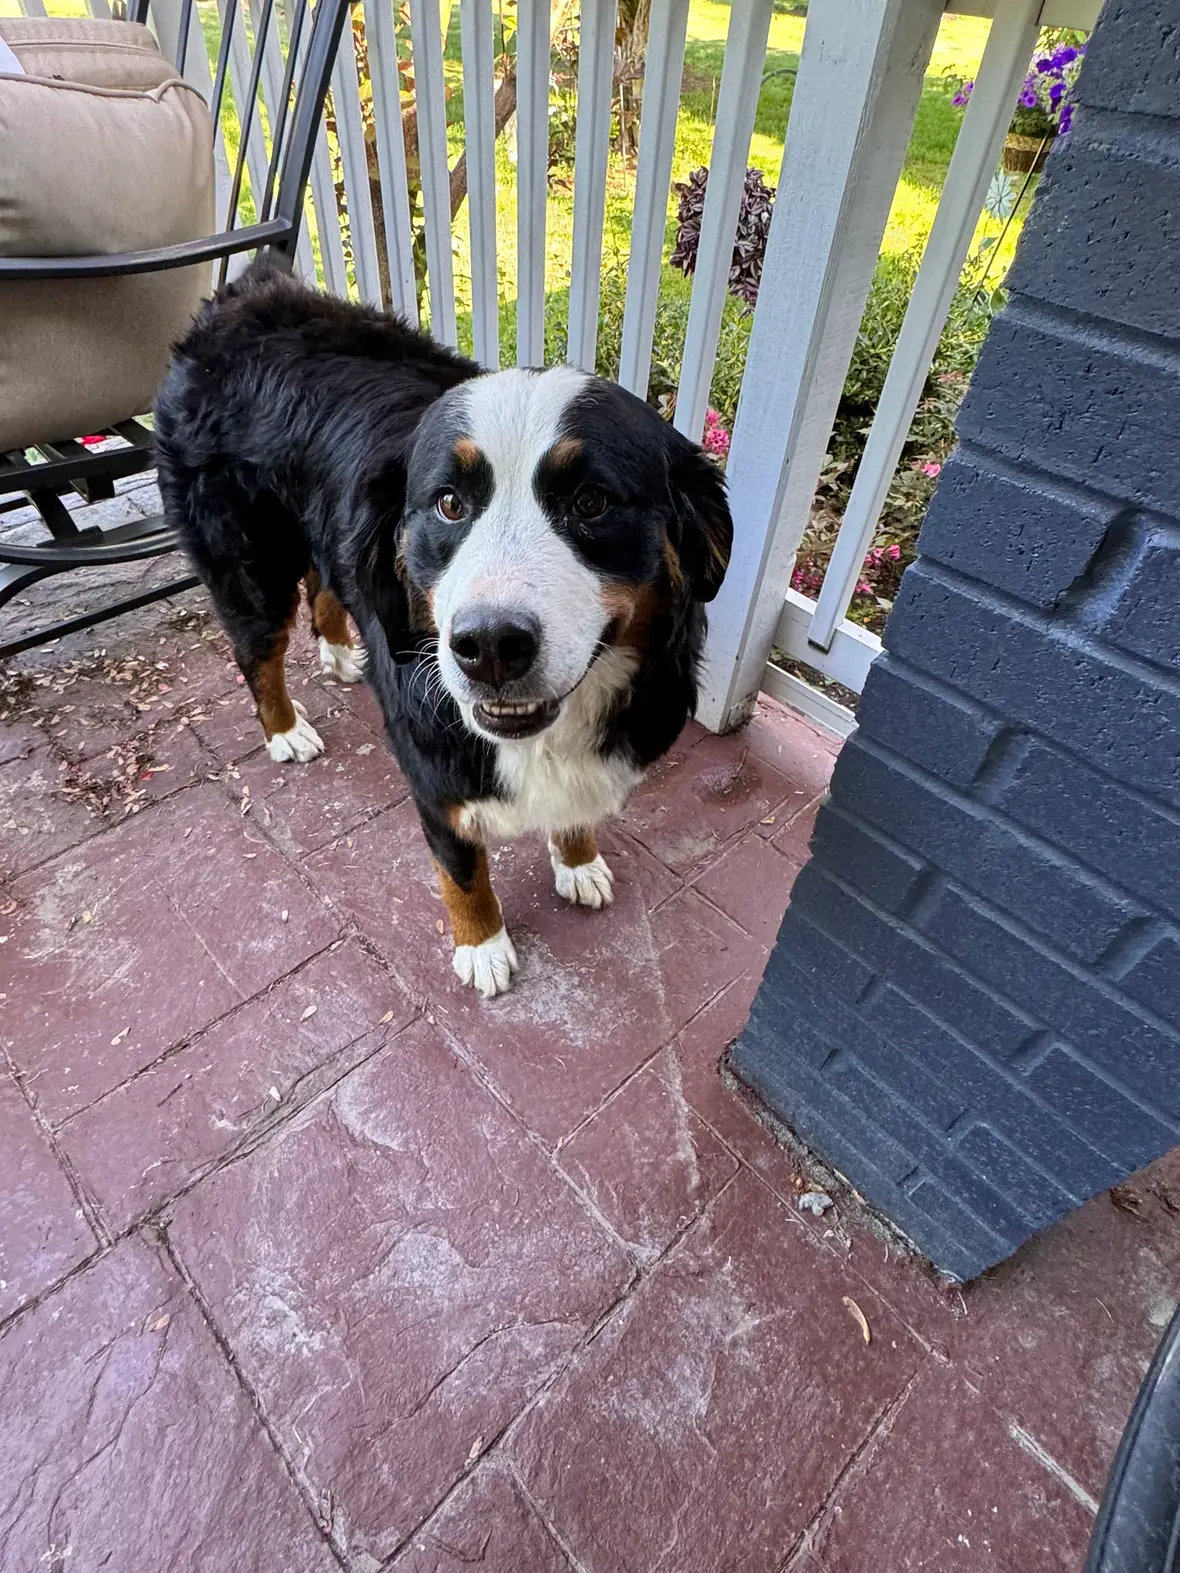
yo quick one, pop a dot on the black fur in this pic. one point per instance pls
(297, 432)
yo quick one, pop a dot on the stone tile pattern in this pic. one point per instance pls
(973, 1009)
(311, 1261)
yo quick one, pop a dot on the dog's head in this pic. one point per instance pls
(550, 516)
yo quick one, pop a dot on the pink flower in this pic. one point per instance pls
(893, 553)
(864, 587)
(931, 469)
(716, 438)
(92, 442)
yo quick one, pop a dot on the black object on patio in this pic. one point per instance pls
(61, 462)
(1138, 1527)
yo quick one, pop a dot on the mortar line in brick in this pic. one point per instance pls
(1049, 626)
(1052, 485)
(980, 808)
(1131, 946)
(91, 1211)
(1099, 128)
(940, 689)
(906, 925)
(1030, 1053)
(1006, 753)
(1099, 333)
(1004, 920)
(328, 1536)
(858, 1463)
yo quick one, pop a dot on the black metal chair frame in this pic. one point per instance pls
(68, 465)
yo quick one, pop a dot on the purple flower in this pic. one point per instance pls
(1028, 98)
(1066, 56)
(1056, 93)
(1066, 120)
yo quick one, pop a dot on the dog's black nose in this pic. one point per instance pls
(495, 646)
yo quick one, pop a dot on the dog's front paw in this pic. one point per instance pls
(487, 967)
(587, 884)
(344, 662)
(302, 742)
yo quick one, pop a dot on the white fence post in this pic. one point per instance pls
(479, 118)
(860, 78)
(532, 175)
(596, 53)
(737, 106)
(989, 110)
(350, 132)
(429, 92)
(391, 158)
(662, 76)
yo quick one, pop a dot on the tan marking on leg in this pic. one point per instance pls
(576, 848)
(474, 913)
(672, 564)
(268, 684)
(580, 872)
(329, 619)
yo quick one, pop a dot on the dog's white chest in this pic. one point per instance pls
(548, 793)
(559, 780)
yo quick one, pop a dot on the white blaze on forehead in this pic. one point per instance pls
(512, 556)
(515, 417)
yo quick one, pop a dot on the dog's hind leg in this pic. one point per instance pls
(251, 554)
(262, 658)
(339, 657)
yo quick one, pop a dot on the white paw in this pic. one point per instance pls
(301, 743)
(344, 662)
(588, 885)
(487, 967)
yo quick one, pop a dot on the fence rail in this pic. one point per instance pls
(857, 88)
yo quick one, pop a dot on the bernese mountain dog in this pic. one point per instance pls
(525, 554)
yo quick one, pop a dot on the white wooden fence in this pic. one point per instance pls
(857, 89)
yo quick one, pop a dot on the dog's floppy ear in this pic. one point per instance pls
(702, 522)
(380, 572)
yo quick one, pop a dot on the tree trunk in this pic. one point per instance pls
(504, 106)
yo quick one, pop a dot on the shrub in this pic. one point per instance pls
(749, 247)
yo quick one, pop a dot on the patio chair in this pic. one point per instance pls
(99, 274)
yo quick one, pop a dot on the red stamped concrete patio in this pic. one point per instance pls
(311, 1260)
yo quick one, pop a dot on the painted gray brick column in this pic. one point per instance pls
(973, 1008)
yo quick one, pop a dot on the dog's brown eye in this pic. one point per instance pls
(590, 503)
(450, 506)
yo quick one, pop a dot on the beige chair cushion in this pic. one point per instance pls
(102, 149)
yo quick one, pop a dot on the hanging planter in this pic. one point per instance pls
(1043, 110)
(1025, 153)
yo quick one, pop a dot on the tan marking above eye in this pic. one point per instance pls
(467, 453)
(566, 451)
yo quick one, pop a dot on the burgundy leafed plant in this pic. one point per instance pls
(745, 272)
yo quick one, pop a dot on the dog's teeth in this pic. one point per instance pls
(503, 709)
